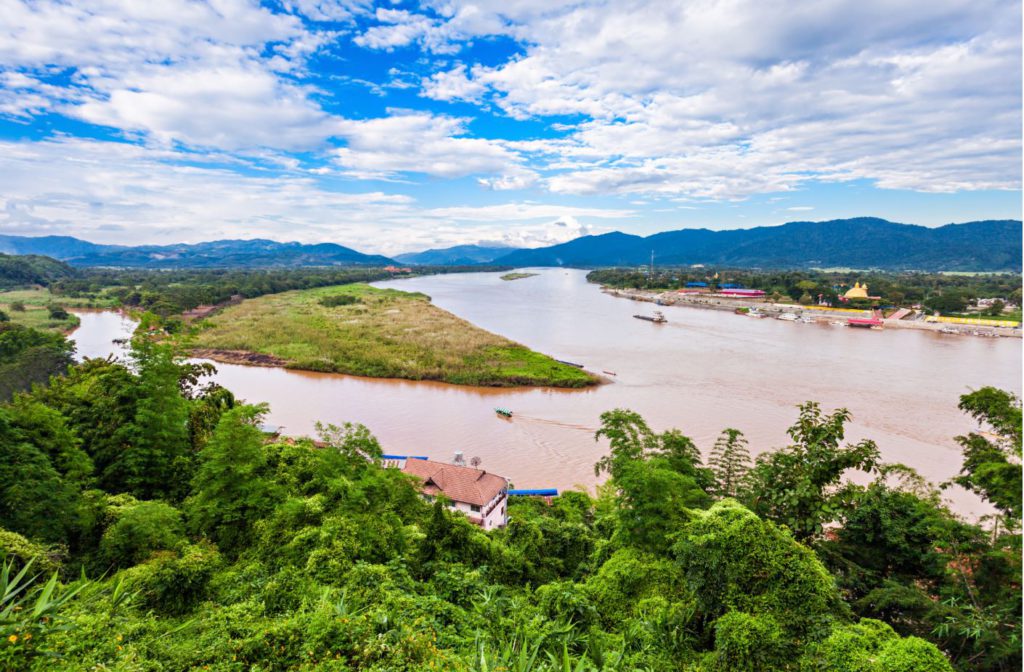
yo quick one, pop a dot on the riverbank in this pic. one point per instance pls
(380, 333)
(814, 313)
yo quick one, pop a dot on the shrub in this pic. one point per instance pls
(172, 584)
(140, 531)
(338, 300)
(58, 312)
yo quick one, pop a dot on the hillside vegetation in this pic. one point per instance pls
(148, 525)
(29, 270)
(382, 333)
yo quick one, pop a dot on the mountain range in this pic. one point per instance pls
(213, 254)
(460, 255)
(863, 242)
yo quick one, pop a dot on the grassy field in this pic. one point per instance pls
(36, 314)
(38, 317)
(43, 297)
(385, 333)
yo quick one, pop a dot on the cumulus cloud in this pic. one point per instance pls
(419, 143)
(910, 96)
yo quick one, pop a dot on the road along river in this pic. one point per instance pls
(701, 372)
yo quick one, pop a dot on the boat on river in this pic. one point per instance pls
(787, 317)
(503, 412)
(657, 318)
(865, 322)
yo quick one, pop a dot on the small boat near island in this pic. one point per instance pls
(609, 373)
(503, 412)
(562, 361)
(657, 318)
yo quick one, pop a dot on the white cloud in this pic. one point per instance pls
(453, 85)
(909, 95)
(201, 73)
(127, 193)
(420, 143)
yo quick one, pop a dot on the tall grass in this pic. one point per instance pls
(386, 333)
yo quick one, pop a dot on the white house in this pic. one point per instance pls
(482, 496)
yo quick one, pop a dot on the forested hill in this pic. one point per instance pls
(864, 242)
(31, 270)
(213, 254)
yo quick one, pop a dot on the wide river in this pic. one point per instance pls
(701, 372)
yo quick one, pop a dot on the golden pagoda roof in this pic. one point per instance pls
(858, 291)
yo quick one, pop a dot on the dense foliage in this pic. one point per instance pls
(148, 524)
(29, 356)
(946, 293)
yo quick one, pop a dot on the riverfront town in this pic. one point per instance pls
(478, 336)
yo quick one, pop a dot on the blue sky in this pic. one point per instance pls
(397, 126)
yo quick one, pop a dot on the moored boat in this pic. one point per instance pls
(865, 322)
(787, 317)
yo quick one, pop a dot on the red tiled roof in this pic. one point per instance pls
(459, 484)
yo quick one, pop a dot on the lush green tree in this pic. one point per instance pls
(730, 462)
(992, 460)
(800, 485)
(30, 356)
(657, 478)
(34, 500)
(98, 401)
(231, 488)
(158, 460)
(48, 430)
(734, 561)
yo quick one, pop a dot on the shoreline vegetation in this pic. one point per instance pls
(380, 333)
(517, 276)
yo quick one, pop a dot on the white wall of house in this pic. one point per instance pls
(496, 512)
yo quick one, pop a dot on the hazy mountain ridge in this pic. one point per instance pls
(458, 255)
(218, 253)
(863, 242)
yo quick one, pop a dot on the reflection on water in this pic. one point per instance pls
(701, 372)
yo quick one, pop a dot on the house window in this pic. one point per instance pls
(474, 508)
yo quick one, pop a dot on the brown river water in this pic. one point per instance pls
(701, 372)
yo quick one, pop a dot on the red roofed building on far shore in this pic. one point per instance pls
(482, 496)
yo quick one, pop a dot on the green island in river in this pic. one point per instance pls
(383, 333)
(517, 276)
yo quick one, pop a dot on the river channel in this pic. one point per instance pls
(701, 372)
